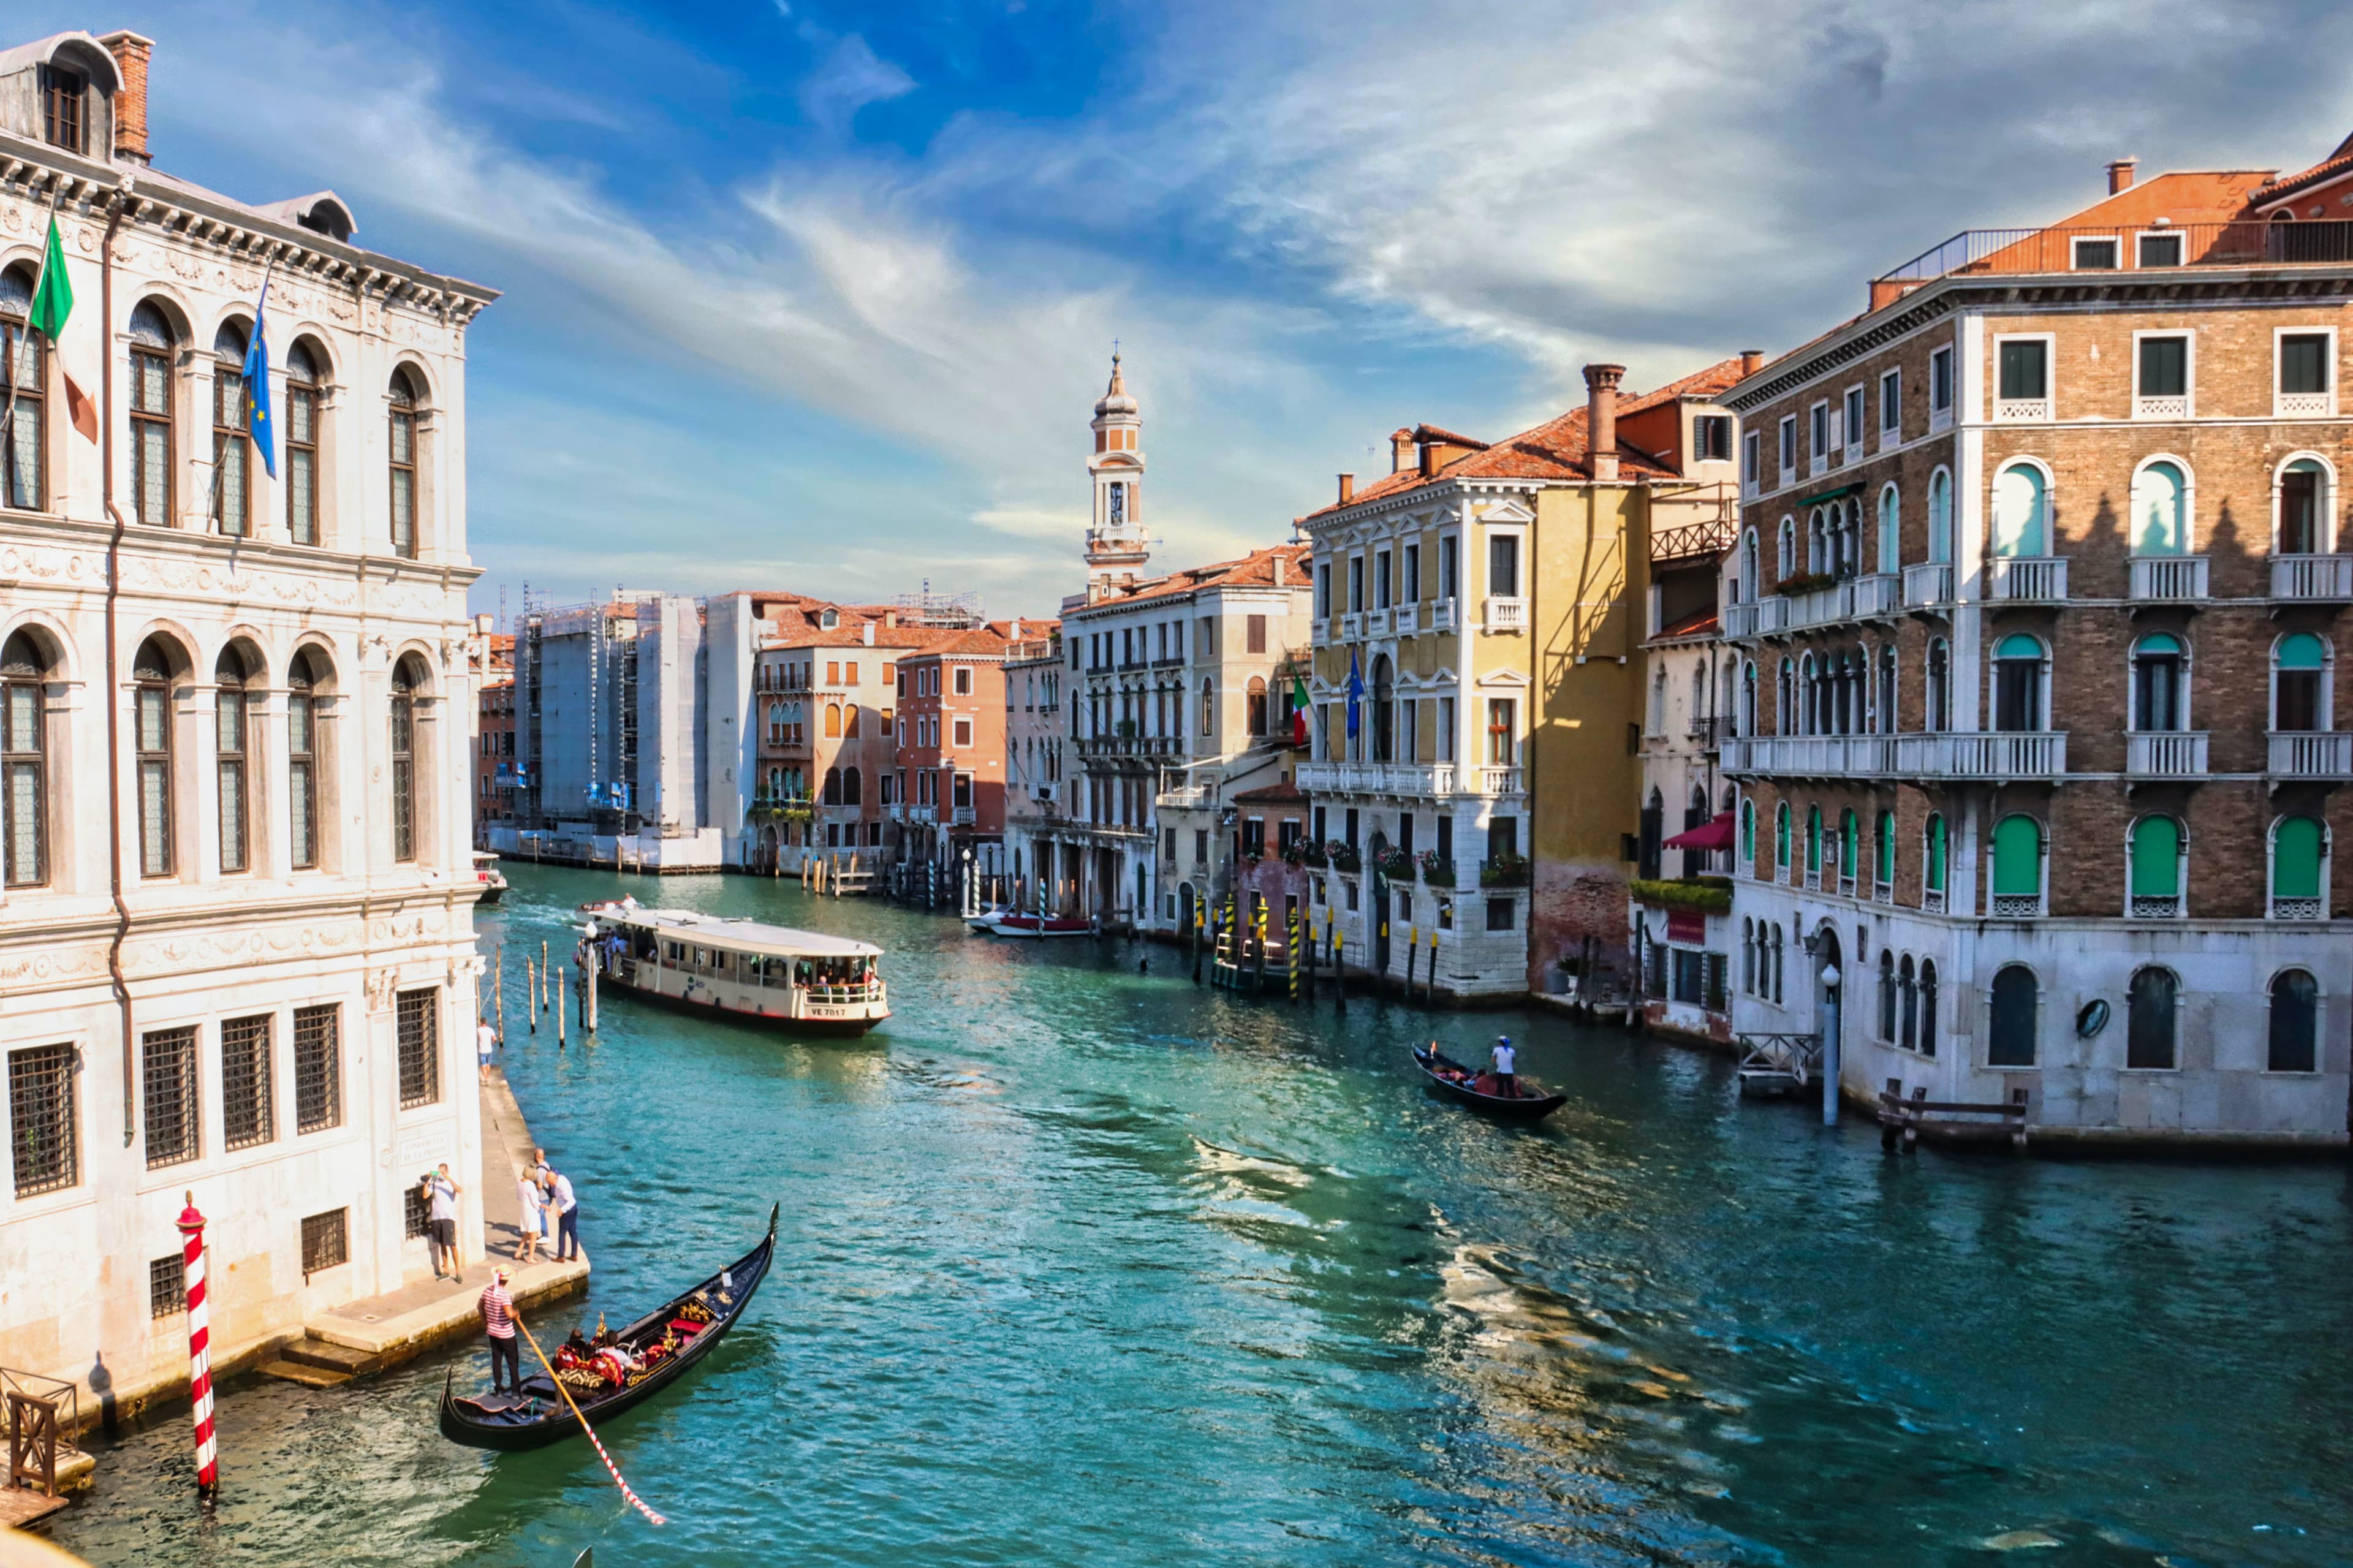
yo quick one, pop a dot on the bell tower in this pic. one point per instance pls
(1117, 545)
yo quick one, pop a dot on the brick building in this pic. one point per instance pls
(2036, 596)
(947, 792)
(495, 744)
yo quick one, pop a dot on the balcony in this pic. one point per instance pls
(2326, 579)
(1994, 755)
(1441, 614)
(1877, 593)
(1772, 616)
(1131, 745)
(2316, 754)
(1319, 632)
(1407, 619)
(1376, 623)
(924, 813)
(2166, 754)
(2022, 410)
(2103, 252)
(1420, 779)
(2027, 579)
(961, 815)
(1506, 615)
(1928, 584)
(1352, 627)
(2168, 579)
(1740, 620)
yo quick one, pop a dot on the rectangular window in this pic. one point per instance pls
(1788, 452)
(167, 1285)
(962, 797)
(2164, 367)
(964, 733)
(1319, 825)
(326, 1241)
(1413, 574)
(153, 724)
(23, 780)
(2095, 254)
(1501, 747)
(963, 679)
(1324, 591)
(1818, 429)
(1940, 381)
(1255, 631)
(1500, 912)
(2160, 250)
(167, 1072)
(1201, 846)
(1503, 837)
(2303, 363)
(418, 1026)
(318, 1067)
(1891, 404)
(1445, 729)
(1168, 844)
(44, 1139)
(1350, 821)
(1446, 839)
(1381, 583)
(1752, 448)
(1504, 566)
(63, 123)
(1855, 426)
(1448, 572)
(2024, 370)
(245, 1111)
(1712, 438)
(1355, 584)
(1286, 836)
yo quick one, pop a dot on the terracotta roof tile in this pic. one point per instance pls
(1255, 569)
(1284, 794)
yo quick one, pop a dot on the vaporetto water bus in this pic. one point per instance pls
(799, 980)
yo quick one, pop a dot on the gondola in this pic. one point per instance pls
(1523, 1108)
(537, 1415)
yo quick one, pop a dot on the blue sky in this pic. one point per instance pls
(818, 296)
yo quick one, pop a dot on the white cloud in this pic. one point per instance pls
(852, 77)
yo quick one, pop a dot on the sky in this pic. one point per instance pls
(818, 296)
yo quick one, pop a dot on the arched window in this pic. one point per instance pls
(2299, 858)
(1209, 716)
(1891, 539)
(1748, 564)
(152, 681)
(2150, 1005)
(1850, 845)
(1658, 716)
(833, 720)
(2299, 687)
(303, 444)
(1254, 705)
(849, 721)
(24, 761)
(2157, 672)
(1813, 844)
(1927, 1008)
(1787, 565)
(1884, 872)
(833, 787)
(403, 462)
(1937, 692)
(1653, 826)
(2304, 509)
(2017, 865)
(1885, 709)
(2011, 1027)
(1781, 839)
(407, 678)
(2020, 671)
(1785, 704)
(1748, 835)
(1748, 955)
(232, 481)
(24, 358)
(853, 791)
(1940, 516)
(2295, 1023)
(232, 727)
(302, 680)
(2156, 869)
(2160, 515)
(2020, 526)
(1887, 994)
(1817, 554)
(1778, 954)
(152, 342)
(1810, 703)
(1933, 858)
(1749, 697)
(1908, 988)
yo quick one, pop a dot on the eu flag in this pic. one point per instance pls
(256, 391)
(1356, 692)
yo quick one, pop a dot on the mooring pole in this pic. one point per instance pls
(559, 1023)
(200, 1356)
(544, 972)
(530, 987)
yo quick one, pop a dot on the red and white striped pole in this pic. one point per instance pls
(200, 1357)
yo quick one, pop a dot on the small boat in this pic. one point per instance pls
(487, 873)
(1451, 1079)
(538, 1415)
(797, 980)
(1006, 922)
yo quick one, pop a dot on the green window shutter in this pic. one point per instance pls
(1814, 838)
(2302, 651)
(2156, 857)
(2017, 858)
(2296, 858)
(1781, 836)
(1887, 846)
(1747, 831)
(2018, 645)
(1936, 854)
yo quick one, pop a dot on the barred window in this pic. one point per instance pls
(318, 1067)
(414, 1213)
(167, 1285)
(245, 1113)
(418, 1026)
(326, 1241)
(168, 1073)
(42, 1132)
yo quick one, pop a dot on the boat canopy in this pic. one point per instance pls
(736, 934)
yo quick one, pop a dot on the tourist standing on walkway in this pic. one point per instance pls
(1505, 1061)
(534, 1198)
(486, 1046)
(499, 1324)
(544, 1174)
(566, 1209)
(440, 1194)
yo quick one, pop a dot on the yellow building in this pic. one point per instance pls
(1480, 616)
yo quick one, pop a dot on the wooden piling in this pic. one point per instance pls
(530, 987)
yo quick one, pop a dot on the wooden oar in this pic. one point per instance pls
(635, 1501)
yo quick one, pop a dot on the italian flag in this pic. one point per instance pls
(1298, 710)
(52, 303)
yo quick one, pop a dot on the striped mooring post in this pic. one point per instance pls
(200, 1358)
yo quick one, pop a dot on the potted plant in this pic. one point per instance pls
(1396, 864)
(1312, 853)
(1438, 873)
(1343, 856)
(1505, 871)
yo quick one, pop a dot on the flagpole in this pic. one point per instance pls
(212, 490)
(8, 419)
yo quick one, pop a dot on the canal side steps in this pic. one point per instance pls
(1772, 1066)
(315, 1364)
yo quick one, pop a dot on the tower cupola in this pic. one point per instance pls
(1117, 545)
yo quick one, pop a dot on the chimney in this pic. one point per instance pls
(1013, 632)
(1279, 563)
(1400, 451)
(1429, 459)
(1601, 419)
(131, 52)
(1347, 489)
(868, 630)
(2120, 175)
(1751, 362)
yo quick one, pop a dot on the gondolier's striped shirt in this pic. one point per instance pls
(498, 1312)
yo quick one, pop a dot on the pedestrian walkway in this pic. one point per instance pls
(366, 1336)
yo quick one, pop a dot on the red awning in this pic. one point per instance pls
(1713, 834)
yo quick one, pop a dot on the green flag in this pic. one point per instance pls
(1298, 710)
(53, 302)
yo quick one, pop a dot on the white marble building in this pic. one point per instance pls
(237, 951)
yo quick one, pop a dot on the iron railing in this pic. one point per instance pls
(2127, 247)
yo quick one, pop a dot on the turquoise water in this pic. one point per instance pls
(1080, 1265)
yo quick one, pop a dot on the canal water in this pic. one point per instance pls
(1082, 1264)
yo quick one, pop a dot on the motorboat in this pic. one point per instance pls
(802, 980)
(1011, 922)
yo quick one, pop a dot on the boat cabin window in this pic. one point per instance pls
(677, 952)
(718, 960)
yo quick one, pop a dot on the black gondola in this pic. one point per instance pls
(537, 1415)
(1435, 1066)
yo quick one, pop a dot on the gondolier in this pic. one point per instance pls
(499, 1327)
(1501, 1064)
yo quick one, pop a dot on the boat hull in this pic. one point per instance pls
(827, 1027)
(1026, 926)
(1525, 1108)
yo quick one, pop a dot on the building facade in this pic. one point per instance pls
(1478, 638)
(948, 787)
(1035, 746)
(236, 950)
(2039, 718)
(1682, 899)
(494, 752)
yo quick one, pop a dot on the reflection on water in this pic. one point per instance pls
(1085, 1265)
